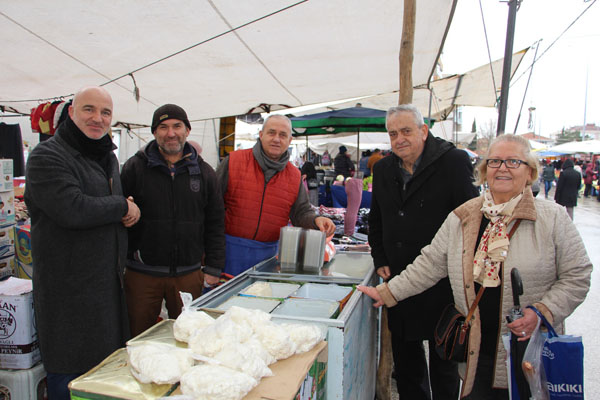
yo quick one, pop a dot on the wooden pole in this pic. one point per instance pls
(384, 370)
(406, 52)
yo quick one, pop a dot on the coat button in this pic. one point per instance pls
(468, 286)
(471, 352)
(401, 213)
(398, 244)
(464, 251)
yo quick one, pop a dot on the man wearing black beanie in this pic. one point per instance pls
(181, 232)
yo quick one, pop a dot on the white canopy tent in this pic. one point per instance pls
(588, 146)
(214, 58)
(473, 88)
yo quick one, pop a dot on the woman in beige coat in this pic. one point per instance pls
(472, 249)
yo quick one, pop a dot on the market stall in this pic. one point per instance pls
(351, 323)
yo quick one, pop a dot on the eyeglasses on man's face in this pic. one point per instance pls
(512, 163)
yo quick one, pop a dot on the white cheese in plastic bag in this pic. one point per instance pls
(214, 382)
(190, 321)
(257, 348)
(158, 363)
(242, 358)
(247, 318)
(276, 340)
(261, 289)
(304, 336)
(210, 340)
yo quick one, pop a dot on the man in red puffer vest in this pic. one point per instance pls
(262, 191)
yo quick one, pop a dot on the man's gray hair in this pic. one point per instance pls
(276, 116)
(409, 108)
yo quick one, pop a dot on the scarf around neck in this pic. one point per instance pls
(268, 166)
(493, 246)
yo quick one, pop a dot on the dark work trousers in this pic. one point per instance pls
(411, 372)
(57, 385)
(145, 294)
(484, 376)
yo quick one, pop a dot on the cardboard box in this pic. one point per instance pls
(23, 271)
(23, 244)
(300, 377)
(24, 384)
(19, 347)
(7, 240)
(7, 207)
(6, 177)
(7, 268)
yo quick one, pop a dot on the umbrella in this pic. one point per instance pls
(517, 349)
(343, 122)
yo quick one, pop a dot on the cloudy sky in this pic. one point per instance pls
(558, 84)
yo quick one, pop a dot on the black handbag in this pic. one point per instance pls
(452, 332)
(452, 329)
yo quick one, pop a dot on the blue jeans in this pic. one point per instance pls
(547, 187)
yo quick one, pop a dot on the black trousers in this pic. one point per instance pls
(484, 379)
(412, 378)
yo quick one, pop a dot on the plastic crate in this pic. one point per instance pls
(23, 384)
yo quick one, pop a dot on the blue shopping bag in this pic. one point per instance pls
(562, 358)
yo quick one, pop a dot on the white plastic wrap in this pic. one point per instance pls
(276, 340)
(241, 357)
(158, 363)
(190, 320)
(210, 340)
(305, 336)
(247, 318)
(257, 348)
(214, 382)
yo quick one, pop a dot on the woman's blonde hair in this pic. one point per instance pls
(529, 157)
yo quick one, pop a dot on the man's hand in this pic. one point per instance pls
(133, 213)
(211, 280)
(372, 293)
(384, 272)
(325, 225)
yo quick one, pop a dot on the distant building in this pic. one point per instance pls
(538, 138)
(592, 130)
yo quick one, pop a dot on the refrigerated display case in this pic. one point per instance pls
(347, 314)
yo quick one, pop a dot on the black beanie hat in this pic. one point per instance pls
(169, 111)
(343, 149)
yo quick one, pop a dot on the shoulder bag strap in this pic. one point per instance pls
(482, 288)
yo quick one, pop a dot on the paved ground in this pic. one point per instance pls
(585, 321)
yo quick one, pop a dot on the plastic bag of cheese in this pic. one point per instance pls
(305, 336)
(215, 382)
(210, 340)
(242, 358)
(276, 340)
(158, 363)
(190, 320)
(247, 318)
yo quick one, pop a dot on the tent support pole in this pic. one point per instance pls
(508, 50)
(357, 148)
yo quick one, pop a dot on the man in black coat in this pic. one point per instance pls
(179, 243)
(342, 163)
(78, 242)
(414, 190)
(567, 188)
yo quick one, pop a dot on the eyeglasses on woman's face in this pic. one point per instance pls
(512, 163)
